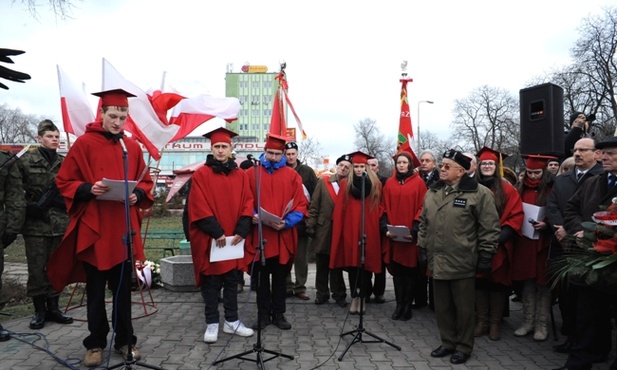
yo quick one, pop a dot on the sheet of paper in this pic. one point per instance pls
(228, 252)
(532, 212)
(267, 217)
(116, 189)
(400, 232)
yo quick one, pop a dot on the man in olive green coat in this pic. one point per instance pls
(12, 206)
(46, 221)
(459, 233)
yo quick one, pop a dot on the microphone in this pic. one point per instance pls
(532, 221)
(121, 140)
(364, 173)
(250, 157)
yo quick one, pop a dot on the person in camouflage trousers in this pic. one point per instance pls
(12, 206)
(46, 222)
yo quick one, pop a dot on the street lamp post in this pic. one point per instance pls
(421, 101)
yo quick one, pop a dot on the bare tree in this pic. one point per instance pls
(17, 127)
(589, 83)
(309, 152)
(430, 141)
(370, 140)
(487, 117)
(61, 8)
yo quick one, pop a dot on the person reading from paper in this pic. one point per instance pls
(278, 190)
(94, 248)
(220, 212)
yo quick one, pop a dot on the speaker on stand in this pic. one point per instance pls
(542, 130)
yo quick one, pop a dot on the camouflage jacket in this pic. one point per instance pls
(11, 197)
(38, 174)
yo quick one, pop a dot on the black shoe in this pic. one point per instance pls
(341, 302)
(4, 335)
(459, 357)
(398, 312)
(564, 347)
(441, 351)
(320, 301)
(54, 314)
(262, 322)
(379, 299)
(406, 312)
(38, 320)
(278, 319)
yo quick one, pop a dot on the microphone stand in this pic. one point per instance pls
(127, 269)
(258, 347)
(359, 331)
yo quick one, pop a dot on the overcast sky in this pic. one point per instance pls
(343, 57)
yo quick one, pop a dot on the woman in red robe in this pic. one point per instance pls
(531, 255)
(347, 229)
(492, 288)
(403, 196)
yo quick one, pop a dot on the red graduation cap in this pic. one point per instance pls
(276, 142)
(114, 98)
(488, 154)
(220, 135)
(537, 161)
(360, 157)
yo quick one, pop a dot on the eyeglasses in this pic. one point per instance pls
(487, 164)
(582, 150)
(447, 166)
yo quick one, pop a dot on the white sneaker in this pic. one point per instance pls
(212, 333)
(237, 327)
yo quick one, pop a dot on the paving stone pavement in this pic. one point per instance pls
(172, 338)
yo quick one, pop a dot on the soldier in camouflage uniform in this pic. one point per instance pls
(12, 206)
(46, 222)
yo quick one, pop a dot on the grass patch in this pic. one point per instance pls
(14, 293)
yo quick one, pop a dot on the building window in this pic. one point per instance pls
(255, 85)
(255, 112)
(267, 112)
(267, 99)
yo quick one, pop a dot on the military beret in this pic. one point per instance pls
(344, 157)
(458, 157)
(291, 145)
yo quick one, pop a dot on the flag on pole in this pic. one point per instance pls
(278, 121)
(147, 120)
(76, 110)
(405, 131)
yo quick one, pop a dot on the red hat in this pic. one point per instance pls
(220, 135)
(488, 154)
(114, 98)
(359, 157)
(537, 161)
(275, 142)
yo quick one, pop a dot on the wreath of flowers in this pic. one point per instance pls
(591, 260)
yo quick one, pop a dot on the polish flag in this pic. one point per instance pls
(405, 131)
(147, 120)
(278, 121)
(76, 110)
(190, 113)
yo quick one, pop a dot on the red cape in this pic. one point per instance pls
(530, 256)
(225, 197)
(276, 190)
(346, 230)
(403, 205)
(96, 228)
(513, 217)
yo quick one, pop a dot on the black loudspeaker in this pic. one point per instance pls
(542, 120)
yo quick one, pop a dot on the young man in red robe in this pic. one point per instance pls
(94, 248)
(220, 208)
(277, 189)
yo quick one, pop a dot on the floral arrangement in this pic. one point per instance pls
(591, 259)
(149, 274)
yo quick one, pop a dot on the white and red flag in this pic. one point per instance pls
(76, 109)
(147, 120)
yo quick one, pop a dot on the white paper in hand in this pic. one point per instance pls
(228, 252)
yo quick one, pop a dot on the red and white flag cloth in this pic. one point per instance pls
(405, 131)
(74, 104)
(278, 122)
(147, 120)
